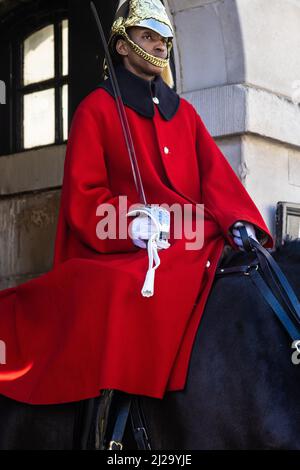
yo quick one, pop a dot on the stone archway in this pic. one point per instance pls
(208, 43)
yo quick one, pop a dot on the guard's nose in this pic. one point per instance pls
(161, 47)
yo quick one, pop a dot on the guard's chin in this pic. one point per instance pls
(154, 70)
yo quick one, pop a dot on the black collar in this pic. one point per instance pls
(138, 94)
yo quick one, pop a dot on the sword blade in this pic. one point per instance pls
(121, 111)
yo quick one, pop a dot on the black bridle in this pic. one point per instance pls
(269, 279)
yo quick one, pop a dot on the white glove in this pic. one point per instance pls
(236, 234)
(142, 229)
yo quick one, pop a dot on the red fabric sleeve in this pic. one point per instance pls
(86, 185)
(223, 194)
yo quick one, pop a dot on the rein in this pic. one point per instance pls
(273, 285)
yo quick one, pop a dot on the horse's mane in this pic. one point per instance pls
(289, 251)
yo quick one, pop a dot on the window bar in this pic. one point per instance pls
(58, 86)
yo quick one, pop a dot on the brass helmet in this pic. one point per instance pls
(148, 14)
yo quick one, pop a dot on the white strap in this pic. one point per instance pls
(148, 287)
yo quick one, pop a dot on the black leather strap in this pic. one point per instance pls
(268, 295)
(245, 238)
(289, 313)
(273, 286)
(123, 408)
(236, 269)
(125, 405)
(283, 282)
(139, 425)
(271, 269)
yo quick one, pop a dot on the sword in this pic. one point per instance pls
(122, 113)
(159, 216)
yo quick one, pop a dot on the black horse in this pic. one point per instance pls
(241, 390)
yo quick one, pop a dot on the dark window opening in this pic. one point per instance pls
(35, 68)
(42, 91)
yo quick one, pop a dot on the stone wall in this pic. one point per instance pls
(237, 62)
(29, 203)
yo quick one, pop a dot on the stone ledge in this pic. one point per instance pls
(243, 109)
(32, 170)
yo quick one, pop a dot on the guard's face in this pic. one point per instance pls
(151, 42)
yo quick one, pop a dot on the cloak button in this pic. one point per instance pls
(155, 100)
(208, 264)
(166, 150)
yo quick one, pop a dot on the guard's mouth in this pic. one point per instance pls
(162, 56)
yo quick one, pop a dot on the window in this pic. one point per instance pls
(42, 90)
(34, 67)
(287, 222)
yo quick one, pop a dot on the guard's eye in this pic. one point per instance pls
(147, 36)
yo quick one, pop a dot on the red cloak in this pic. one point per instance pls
(85, 326)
